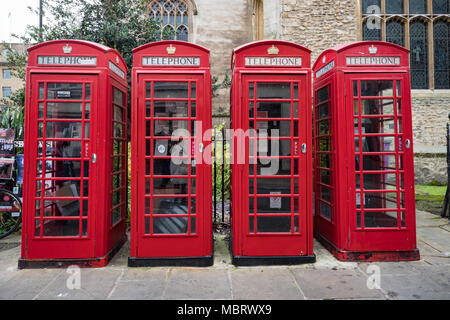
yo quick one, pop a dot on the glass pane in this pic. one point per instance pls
(41, 110)
(380, 200)
(61, 228)
(322, 95)
(118, 114)
(193, 90)
(325, 177)
(65, 91)
(273, 224)
(169, 167)
(386, 181)
(394, 6)
(171, 186)
(395, 32)
(41, 91)
(367, 3)
(273, 90)
(377, 88)
(378, 144)
(70, 130)
(171, 109)
(379, 162)
(271, 205)
(371, 31)
(441, 7)
(323, 111)
(273, 110)
(417, 6)
(170, 205)
(324, 127)
(271, 185)
(170, 225)
(118, 97)
(168, 127)
(378, 125)
(169, 90)
(166, 147)
(63, 149)
(275, 128)
(377, 107)
(271, 166)
(148, 90)
(88, 92)
(326, 194)
(419, 55)
(441, 55)
(64, 110)
(384, 219)
(325, 210)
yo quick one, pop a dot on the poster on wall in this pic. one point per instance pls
(6, 168)
(7, 137)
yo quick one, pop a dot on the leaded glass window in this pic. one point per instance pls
(394, 6)
(368, 3)
(173, 16)
(395, 32)
(441, 7)
(417, 6)
(370, 32)
(419, 55)
(395, 20)
(441, 32)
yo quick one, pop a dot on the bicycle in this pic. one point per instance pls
(10, 203)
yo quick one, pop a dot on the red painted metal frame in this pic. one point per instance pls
(268, 248)
(102, 241)
(341, 235)
(166, 249)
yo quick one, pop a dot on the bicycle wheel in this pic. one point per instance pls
(10, 212)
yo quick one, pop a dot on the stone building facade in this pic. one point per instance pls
(222, 25)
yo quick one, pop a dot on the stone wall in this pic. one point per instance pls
(430, 115)
(222, 26)
(319, 24)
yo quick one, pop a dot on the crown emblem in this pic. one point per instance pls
(324, 59)
(373, 49)
(67, 49)
(117, 60)
(273, 50)
(171, 50)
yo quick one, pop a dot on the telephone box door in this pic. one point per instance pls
(275, 174)
(382, 196)
(171, 210)
(62, 126)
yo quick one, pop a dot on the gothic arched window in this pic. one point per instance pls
(422, 26)
(172, 15)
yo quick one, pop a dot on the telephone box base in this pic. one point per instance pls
(368, 256)
(64, 263)
(172, 262)
(241, 261)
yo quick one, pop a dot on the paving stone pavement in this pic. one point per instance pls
(328, 278)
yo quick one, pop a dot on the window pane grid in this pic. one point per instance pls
(395, 20)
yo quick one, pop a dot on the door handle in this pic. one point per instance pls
(94, 158)
(407, 143)
(303, 147)
(200, 147)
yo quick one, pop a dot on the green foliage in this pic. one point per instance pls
(430, 198)
(217, 184)
(226, 83)
(119, 24)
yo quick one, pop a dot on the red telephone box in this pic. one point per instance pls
(364, 175)
(75, 186)
(171, 171)
(272, 154)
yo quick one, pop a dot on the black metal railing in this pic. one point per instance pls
(221, 175)
(446, 207)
